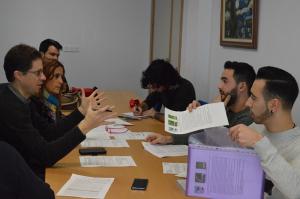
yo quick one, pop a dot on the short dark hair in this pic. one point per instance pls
(160, 73)
(243, 72)
(44, 45)
(19, 58)
(279, 84)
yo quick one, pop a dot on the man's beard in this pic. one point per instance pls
(233, 96)
(260, 119)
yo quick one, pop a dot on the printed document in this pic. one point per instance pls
(86, 187)
(106, 161)
(206, 116)
(180, 169)
(131, 135)
(166, 150)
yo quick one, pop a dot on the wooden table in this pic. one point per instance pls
(160, 185)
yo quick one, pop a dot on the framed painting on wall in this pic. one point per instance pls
(239, 22)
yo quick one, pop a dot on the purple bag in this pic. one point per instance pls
(224, 173)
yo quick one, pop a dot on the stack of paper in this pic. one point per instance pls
(106, 161)
(179, 169)
(166, 150)
(86, 187)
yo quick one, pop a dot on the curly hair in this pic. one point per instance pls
(160, 73)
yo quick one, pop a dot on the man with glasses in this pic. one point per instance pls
(41, 144)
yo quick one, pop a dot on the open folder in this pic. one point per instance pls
(224, 173)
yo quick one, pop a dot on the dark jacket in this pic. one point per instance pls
(17, 181)
(41, 144)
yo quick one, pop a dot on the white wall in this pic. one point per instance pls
(161, 33)
(278, 42)
(112, 36)
(195, 55)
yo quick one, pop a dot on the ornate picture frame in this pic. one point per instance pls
(239, 23)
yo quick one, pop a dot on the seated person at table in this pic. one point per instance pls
(234, 90)
(273, 95)
(17, 180)
(48, 101)
(50, 49)
(40, 143)
(167, 88)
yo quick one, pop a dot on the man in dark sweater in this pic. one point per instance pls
(41, 144)
(17, 180)
(167, 88)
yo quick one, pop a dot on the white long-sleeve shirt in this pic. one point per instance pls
(280, 159)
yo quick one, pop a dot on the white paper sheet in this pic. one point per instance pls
(98, 133)
(206, 116)
(166, 150)
(119, 121)
(86, 187)
(104, 143)
(182, 184)
(131, 135)
(106, 161)
(180, 169)
(182, 175)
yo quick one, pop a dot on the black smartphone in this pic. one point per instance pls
(92, 151)
(139, 184)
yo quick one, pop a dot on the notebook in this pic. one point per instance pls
(224, 173)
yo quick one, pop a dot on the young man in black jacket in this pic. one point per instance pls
(167, 88)
(41, 144)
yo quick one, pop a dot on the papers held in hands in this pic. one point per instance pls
(206, 116)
